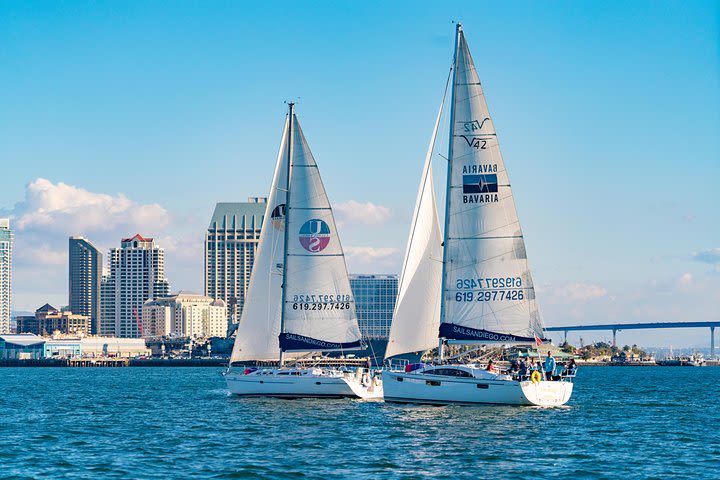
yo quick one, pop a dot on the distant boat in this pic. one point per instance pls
(473, 284)
(695, 360)
(299, 300)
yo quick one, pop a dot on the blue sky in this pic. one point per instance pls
(607, 114)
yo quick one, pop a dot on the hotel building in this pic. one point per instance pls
(184, 315)
(136, 274)
(230, 245)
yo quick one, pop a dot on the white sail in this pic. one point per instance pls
(487, 286)
(319, 306)
(259, 328)
(417, 311)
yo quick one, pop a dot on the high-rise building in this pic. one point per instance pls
(375, 297)
(230, 245)
(185, 315)
(107, 296)
(6, 241)
(85, 274)
(136, 274)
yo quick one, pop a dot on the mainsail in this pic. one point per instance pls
(488, 293)
(319, 305)
(257, 335)
(417, 311)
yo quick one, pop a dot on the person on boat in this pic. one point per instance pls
(491, 367)
(549, 366)
(522, 368)
(571, 368)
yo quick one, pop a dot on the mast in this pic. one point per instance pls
(291, 106)
(458, 29)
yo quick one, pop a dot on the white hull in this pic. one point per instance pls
(305, 383)
(422, 388)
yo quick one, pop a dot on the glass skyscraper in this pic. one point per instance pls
(6, 238)
(85, 273)
(375, 297)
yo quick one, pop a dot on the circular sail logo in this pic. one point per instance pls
(314, 235)
(277, 217)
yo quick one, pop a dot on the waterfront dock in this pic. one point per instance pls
(65, 362)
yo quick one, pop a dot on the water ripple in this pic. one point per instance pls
(157, 423)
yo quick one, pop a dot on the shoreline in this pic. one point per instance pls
(210, 362)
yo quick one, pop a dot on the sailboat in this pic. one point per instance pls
(299, 300)
(472, 285)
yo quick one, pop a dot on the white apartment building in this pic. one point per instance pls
(6, 244)
(136, 274)
(184, 315)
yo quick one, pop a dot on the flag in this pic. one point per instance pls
(538, 342)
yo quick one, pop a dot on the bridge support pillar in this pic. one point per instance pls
(614, 337)
(712, 341)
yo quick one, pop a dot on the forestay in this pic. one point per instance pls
(487, 286)
(417, 311)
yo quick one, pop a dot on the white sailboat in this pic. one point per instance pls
(482, 286)
(299, 299)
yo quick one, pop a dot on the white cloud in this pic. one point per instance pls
(579, 292)
(67, 209)
(40, 255)
(357, 213)
(685, 279)
(53, 211)
(373, 260)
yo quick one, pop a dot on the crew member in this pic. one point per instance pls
(549, 366)
(571, 368)
(523, 370)
(491, 367)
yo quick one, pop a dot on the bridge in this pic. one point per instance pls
(616, 327)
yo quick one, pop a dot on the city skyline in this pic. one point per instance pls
(619, 217)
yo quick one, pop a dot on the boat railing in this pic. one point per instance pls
(397, 363)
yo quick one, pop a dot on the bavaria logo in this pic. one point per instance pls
(314, 235)
(480, 183)
(277, 217)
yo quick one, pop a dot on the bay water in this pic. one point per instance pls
(153, 423)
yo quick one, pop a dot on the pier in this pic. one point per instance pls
(617, 327)
(66, 362)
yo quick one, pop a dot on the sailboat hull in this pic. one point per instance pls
(400, 387)
(312, 383)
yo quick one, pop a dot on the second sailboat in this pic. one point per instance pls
(299, 300)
